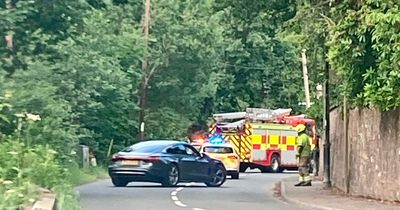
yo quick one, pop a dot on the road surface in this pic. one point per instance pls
(253, 191)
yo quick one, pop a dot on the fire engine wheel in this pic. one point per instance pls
(264, 169)
(275, 164)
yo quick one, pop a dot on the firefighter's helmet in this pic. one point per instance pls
(300, 128)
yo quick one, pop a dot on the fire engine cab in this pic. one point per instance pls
(263, 138)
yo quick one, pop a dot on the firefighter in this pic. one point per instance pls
(315, 156)
(303, 156)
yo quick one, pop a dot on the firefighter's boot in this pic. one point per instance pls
(301, 183)
(306, 184)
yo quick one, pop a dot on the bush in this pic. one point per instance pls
(23, 169)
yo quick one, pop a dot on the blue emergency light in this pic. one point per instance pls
(217, 139)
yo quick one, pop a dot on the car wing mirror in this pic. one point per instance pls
(204, 155)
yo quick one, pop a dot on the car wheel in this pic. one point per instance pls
(119, 182)
(172, 178)
(235, 175)
(218, 178)
(275, 164)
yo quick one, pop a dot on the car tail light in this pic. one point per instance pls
(148, 162)
(232, 157)
(153, 158)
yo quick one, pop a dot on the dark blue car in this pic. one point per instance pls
(165, 162)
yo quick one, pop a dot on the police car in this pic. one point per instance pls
(218, 149)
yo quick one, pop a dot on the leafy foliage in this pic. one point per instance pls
(260, 70)
(32, 93)
(78, 65)
(364, 50)
(186, 46)
(98, 77)
(308, 30)
(23, 168)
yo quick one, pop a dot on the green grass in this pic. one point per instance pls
(66, 198)
(81, 176)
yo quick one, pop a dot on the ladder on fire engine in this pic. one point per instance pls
(258, 114)
(251, 114)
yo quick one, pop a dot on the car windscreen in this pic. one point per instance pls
(145, 148)
(218, 149)
(197, 147)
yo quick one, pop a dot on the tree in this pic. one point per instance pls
(96, 73)
(363, 50)
(185, 47)
(30, 92)
(35, 25)
(257, 65)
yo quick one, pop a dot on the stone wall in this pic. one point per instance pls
(374, 153)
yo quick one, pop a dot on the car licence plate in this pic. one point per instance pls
(130, 162)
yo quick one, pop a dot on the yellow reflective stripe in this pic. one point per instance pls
(244, 146)
(283, 147)
(256, 139)
(291, 140)
(273, 139)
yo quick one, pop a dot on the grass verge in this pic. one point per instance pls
(81, 176)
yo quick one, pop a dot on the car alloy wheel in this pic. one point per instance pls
(218, 179)
(173, 176)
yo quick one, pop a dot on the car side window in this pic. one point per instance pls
(177, 150)
(191, 151)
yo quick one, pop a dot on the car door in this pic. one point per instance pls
(179, 152)
(196, 164)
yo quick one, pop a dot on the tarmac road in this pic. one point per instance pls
(253, 191)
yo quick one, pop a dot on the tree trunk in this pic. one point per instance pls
(9, 37)
(145, 69)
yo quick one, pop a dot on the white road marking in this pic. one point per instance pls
(190, 184)
(174, 196)
(178, 203)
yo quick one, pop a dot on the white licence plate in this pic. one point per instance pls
(130, 162)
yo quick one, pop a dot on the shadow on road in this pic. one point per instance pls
(157, 186)
(256, 171)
